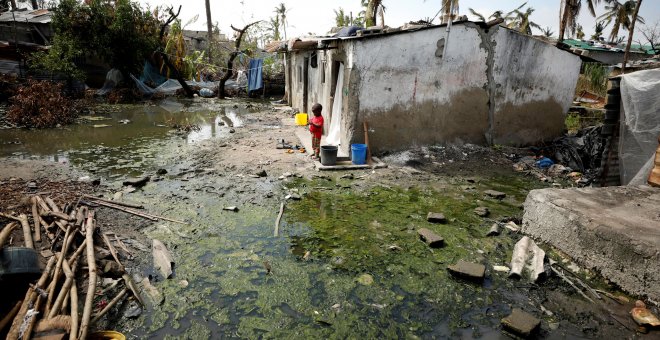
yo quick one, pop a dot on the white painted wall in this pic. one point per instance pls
(407, 64)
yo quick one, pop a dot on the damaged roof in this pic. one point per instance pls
(307, 43)
(40, 16)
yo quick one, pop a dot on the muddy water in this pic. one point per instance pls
(121, 140)
(347, 262)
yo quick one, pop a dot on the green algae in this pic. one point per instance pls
(348, 233)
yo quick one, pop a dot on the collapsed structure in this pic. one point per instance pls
(481, 83)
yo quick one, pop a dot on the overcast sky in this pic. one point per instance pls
(317, 17)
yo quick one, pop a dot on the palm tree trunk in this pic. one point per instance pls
(564, 19)
(370, 13)
(209, 27)
(630, 36)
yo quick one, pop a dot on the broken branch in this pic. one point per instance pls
(111, 304)
(91, 265)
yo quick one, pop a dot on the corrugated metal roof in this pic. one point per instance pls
(40, 16)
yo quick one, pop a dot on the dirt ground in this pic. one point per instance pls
(202, 178)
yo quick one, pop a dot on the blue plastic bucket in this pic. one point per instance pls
(359, 153)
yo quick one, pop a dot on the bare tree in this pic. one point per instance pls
(230, 63)
(175, 72)
(652, 36)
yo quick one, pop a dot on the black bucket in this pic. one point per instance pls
(328, 154)
(19, 261)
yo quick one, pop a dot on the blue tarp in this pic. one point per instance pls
(255, 73)
(151, 75)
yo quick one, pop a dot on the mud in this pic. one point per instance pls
(341, 231)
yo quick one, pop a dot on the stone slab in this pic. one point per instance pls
(521, 323)
(432, 239)
(468, 270)
(482, 211)
(613, 230)
(436, 217)
(495, 194)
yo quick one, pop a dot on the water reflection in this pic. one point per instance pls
(104, 139)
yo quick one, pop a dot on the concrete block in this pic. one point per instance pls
(467, 270)
(521, 323)
(482, 211)
(431, 238)
(613, 230)
(436, 217)
(495, 194)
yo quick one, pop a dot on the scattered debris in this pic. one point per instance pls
(482, 211)
(503, 269)
(137, 182)
(232, 208)
(468, 270)
(436, 217)
(512, 226)
(643, 316)
(495, 194)
(153, 292)
(163, 260)
(526, 254)
(494, 230)
(521, 323)
(430, 238)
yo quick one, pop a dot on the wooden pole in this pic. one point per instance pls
(27, 233)
(91, 265)
(6, 233)
(366, 141)
(29, 297)
(130, 205)
(73, 294)
(110, 304)
(10, 316)
(58, 268)
(35, 220)
(112, 249)
(64, 291)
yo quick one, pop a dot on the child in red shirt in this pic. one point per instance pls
(316, 129)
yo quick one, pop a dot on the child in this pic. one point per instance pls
(316, 129)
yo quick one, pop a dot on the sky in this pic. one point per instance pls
(309, 16)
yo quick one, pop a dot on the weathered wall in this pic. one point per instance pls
(410, 96)
(533, 87)
(493, 86)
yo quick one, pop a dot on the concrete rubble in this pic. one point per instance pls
(613, 230)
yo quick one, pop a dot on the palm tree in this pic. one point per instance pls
(449, 10)
(569, 12)
(498, 14)
(521, 22)
(209, 27)
(547, 32)
(599, 29)
(579, 33)
(372, 9)
(341, 19)
(274, 27)
(281, 12)
(635, 18)
(621, 15)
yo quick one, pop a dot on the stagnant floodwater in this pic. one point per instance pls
(347, 262)
(122, 139)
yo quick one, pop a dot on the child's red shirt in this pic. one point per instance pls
(316, 131)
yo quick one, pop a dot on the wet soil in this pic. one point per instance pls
(346, 261)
